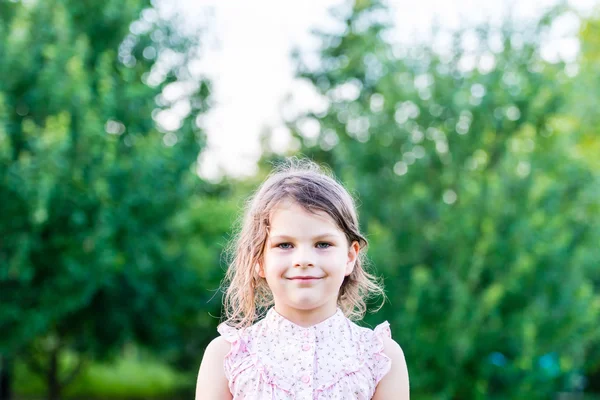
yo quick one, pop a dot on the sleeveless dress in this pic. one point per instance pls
(276, 359)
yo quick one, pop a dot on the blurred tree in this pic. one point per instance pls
(481, 218)
(98, 142)
(584, 104)
(584, 99)
(205, 227)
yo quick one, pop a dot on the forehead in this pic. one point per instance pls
(290, 218)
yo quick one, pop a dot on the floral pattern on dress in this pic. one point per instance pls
(277, 359)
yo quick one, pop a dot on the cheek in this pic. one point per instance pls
(274, 263)
(335, 262)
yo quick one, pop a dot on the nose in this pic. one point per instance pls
(304, 258)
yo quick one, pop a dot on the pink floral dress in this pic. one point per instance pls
(276, 359)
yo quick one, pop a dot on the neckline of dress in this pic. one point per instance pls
(274, 316)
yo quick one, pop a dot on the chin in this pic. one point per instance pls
(302, 303)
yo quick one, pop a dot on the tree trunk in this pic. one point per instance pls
(593, 379)
(5, 378)
(54, 387)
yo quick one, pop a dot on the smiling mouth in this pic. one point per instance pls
(305, 278)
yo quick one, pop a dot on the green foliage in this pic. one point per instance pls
(90, 183)
(584, 98)
(481, 216)
(204, 229)
(584, 104)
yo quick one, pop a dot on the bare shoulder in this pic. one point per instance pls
(218, 346)
(392, 349)
(395, 384)
(212, 382)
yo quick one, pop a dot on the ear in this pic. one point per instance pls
(353, 252)
(259, 270)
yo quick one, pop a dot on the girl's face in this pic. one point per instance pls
(305, 260)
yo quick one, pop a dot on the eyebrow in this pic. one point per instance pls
(318, 237)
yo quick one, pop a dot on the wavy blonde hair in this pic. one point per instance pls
(247, 295)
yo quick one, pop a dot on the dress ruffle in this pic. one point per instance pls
(240, 358)
(238, 349)
(371, 361)
(381, 363)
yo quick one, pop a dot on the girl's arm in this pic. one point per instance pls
(212, 383)
(394, 385)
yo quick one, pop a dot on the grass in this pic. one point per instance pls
(128, 378)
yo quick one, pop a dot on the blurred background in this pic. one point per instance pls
(132, 131)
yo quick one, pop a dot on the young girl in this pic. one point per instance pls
(299, 257)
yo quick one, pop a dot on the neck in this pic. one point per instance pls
(306, 318)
